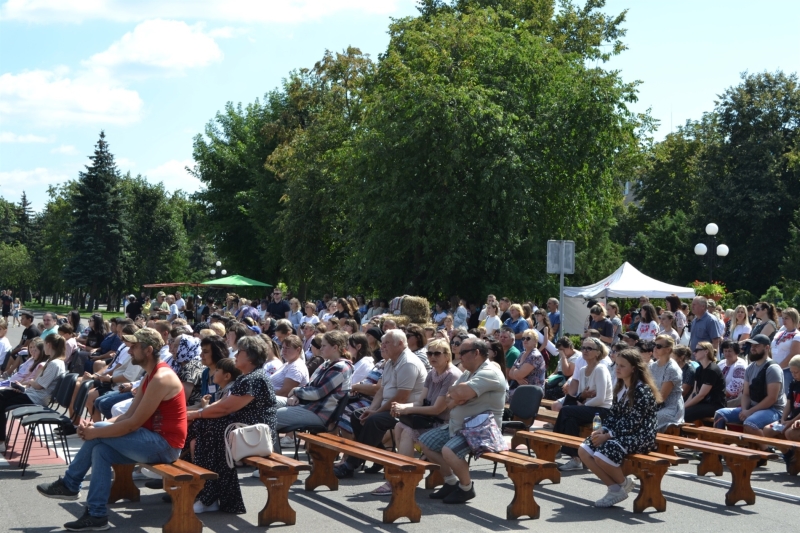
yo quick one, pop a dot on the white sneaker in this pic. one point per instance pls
(611, 498)
(629, 485)
(287, 442)
(199, 508)
(573, 464)
(137, 474)
(256, 474)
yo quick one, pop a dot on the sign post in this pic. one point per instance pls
(561, 260)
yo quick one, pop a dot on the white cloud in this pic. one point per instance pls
(74, 11)
(64, 149)
(165, 44)
(174, 176)
(33, 182)
(54, 98)
(123, 163)
(9, 137)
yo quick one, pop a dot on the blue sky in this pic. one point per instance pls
(152, 73)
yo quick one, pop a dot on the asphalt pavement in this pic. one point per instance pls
(694, 504)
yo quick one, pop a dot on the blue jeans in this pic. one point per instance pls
(757, 420)
(105, 402)
(787, 380)
(140, 446)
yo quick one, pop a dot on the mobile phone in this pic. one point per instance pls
(17, 386)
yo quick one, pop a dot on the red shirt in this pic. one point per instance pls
(169, 419)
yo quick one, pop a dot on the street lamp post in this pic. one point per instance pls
(213, 271)
(717, 251)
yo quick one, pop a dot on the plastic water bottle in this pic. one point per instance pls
(596, 423)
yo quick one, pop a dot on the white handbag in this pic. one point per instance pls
(243, 441)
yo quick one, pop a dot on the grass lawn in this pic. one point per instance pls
(64, 309)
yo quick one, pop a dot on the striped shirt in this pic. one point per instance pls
(330, 382)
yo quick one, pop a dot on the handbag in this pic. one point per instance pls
(482, 434)
(420, 421)
(243, 441)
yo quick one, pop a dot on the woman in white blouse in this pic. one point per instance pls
(740, 325)
(363, 361)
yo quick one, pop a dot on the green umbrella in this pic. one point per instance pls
(235, 281)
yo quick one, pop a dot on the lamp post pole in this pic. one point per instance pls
(716, 251)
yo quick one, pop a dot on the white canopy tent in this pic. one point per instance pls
(625, 282)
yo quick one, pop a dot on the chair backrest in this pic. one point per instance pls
(80, 398)
(64, 392)
(59, 381)
(526, 400)
(333, 421)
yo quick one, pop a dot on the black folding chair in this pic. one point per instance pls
(524, 406)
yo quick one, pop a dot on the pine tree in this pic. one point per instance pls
(25, 220)
(97, 232)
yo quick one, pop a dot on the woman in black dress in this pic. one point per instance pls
(251, 401)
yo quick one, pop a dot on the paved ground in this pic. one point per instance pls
(694, 504)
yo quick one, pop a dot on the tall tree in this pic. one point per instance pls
(97, 232)
(25, 221)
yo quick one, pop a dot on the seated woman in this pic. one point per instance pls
(668, 377)
(589, 394)
(360, 356)
(788, 427)
(186, 363)
(733, 370)
(361, 395)
(709, 386)
(329, 384)
(294, 373)
(212, 350)
(433, 413)
(30, 369)
(274, 361)
(38, 390)
(683, 357)
(529, 368)
(251, 401)
(629, 427)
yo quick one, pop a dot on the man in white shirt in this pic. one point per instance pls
(180, 303)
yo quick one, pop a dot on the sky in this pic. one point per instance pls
(153, 73)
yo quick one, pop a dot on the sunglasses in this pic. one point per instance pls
(697, 350)
(456, 344)
(660, 346)
(527, 338)
(465, 352)
(437, 354)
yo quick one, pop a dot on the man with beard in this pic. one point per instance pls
(762, 397)
(153, 430)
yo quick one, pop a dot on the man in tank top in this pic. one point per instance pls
(153, 430)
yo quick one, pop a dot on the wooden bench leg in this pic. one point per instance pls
(523, 503)
(403, 502)
(710, 462)
(516, 441)
(650, 477)
(546, 451)
(123, 487)
(793, 466)
(183, 519)
(278, 508)
(740, 484)
(434, 479)
(322, 467)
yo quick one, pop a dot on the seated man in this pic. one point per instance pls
(19, 354)
(402, 381)
(762, 395)
(482, 387)
(152, 431)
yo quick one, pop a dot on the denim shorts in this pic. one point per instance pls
(757, 420)
(439, 438)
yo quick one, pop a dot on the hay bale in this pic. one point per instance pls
(417, 309)
(400, 320)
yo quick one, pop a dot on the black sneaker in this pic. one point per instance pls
(57, 490)
(374, 469)
(343, 471)
(460, 495)
(443, 492)
(156, 484)
(88, 523)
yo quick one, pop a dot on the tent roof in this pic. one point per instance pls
(627, 282)
(235, 281)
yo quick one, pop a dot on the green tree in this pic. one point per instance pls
(16, 267)
(97, 232)
(51, 253)
(480, 140)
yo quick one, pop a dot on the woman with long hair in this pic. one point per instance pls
(74, 320)
(740, 325)
(648, 327)
(709, 386)
(629, 427)
(668, 376)
(674, 306)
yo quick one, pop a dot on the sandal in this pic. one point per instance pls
(383, 490)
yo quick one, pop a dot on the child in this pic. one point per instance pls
(16, 313)
(630, 427)
(223, 378)
(29, 370)
(68, 332)
(5, 346)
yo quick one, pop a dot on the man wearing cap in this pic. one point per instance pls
(630, 338)
(762, 397)
(160, 309)
(704, 326)
(152, 431)
(20, 353)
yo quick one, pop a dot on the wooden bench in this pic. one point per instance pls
(648, 468)
(722, 436)
(547, 404)
(277, 472)
(182, 481)
(403, 473)
(741, 462)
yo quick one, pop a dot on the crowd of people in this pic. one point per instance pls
(171, 377)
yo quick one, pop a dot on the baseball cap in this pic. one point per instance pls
(759, 339)
(631, 335)
(146, 336)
